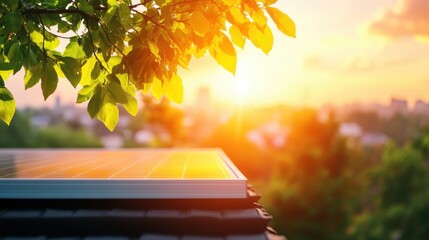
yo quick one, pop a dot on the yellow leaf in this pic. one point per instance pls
(153, 47)
(146, 88)
(259, 17)
(174, 89)
(224, 54)
(236, 16)
(199, 23)
(109, 112)
(231, 2)
(59, 71)
(157, 90)
(86, 71)
(263, 40)
(236, 36)
(5, 74)
(284, 23)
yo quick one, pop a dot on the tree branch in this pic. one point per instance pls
(54, 11)
(92, 45)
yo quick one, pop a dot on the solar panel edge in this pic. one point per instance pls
(93, 189)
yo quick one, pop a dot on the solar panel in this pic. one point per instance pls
(116, 174)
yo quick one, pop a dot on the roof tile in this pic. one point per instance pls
(201, 238)
(22, 214)
(106, 238)
(156, 213)
(89, 213)
(261, 236)
(196, 213)
(241, 214)
(158, 237)
(49, 213)
(24, 238)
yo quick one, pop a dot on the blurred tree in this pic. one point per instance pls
(159, 118)
(114, 47)
(61, 136)
(311, 192)
(400, 205)
(19, 134)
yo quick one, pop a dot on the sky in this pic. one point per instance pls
(346, 51)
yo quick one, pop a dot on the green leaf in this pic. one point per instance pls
(94, 104)
(112, 3)
(123, 79)
(109, 112)
(38, 38)
(118, 92)
(124, 14)
(284, 23)
(72, 70)
(74, 50)
(86, 92)
(13, 4)
(5, 66)
(15, 56)
(7, 105)
(86, 7)
(49, 79)
(12, 22)
(131, 106)
(86, 71)
(33, 75)
(110, 14)
(1, 82)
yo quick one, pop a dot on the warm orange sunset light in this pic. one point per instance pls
(345, 52)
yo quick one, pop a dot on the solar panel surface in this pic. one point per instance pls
(133, 173)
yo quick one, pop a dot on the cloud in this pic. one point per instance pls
(408, 18)
(363, 63)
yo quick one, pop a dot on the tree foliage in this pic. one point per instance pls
(114, 48)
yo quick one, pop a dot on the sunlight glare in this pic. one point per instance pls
(241, 88)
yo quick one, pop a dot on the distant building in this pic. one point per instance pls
(399, 105)
(374, 139)
(350, 130)
(269, 135)
(421, 107)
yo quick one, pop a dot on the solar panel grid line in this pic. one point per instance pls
(92, 169)
(170, 168)
(5, 157)
(184, 167)
(8, 163)
(77, 163)
(37, 164)
(103, 171)
(125, 168)
(141, 169)
(56, 163)
(157, 165)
